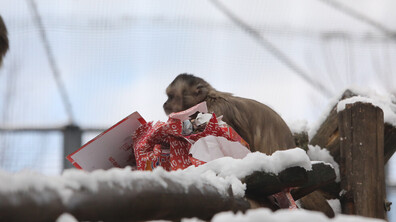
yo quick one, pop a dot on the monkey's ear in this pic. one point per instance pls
(201, 90)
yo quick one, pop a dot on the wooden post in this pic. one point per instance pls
(361, 128)
(72, 136)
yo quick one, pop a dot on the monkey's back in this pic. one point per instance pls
(258, 124)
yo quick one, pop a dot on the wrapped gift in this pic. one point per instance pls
(164, 144)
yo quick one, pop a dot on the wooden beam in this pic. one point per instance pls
(389, 141)
(261, 184)
(147, 199)
(301, 140)
(328, 136)
(361, 127)
(320, 175)
(139, 201)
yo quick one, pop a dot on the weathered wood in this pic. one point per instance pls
(261, 184)
(140, 200)
(389, 141)
(301, 140)
(327, 135)
(150, 200)
(154, 202)
(317, 202)
(361, 128)
(320, 175)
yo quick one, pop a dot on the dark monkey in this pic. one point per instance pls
(259, 125)
(3, 40)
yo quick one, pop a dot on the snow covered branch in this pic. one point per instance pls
(126, 195)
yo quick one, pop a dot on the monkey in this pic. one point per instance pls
(260, 126)
(3, 40)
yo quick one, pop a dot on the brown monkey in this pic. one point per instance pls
(259, 125)
(3, 40)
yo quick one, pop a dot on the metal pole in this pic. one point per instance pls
(72, 136)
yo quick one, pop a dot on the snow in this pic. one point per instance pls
(316, 125)
(74, 180)
(385, 101)
(257, 161)
(220, 173)
(316, 153)
(298, 126)
(342, 104)
(335, 204)
(66, 217)
(286, 215)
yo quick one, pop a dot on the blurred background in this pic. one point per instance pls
(77, 67)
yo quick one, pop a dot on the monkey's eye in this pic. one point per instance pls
(170, 96)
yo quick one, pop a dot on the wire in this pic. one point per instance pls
(53, 65)
(272, 49)
(360, 16)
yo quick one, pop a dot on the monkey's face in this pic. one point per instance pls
(184, 92)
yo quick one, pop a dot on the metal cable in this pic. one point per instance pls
(360, 16)
(282, 57)
(53, 65)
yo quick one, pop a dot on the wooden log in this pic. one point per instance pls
(389, 141)
(261, 184)
(148, 199)
(301, 140)
(328, 136)
(361, 127)
(320, 175)
(140, 200)
(30, 205)
(153, 202)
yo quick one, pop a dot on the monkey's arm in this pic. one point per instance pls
(233, 115)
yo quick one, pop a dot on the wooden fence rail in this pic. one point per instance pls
(152, 201)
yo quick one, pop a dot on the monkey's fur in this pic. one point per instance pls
(259, 125)
(262, 128)
(3, 40)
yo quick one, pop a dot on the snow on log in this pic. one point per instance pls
(261, 184)
(362, 160)
(118, 195)
(327, 134)
(126, 195)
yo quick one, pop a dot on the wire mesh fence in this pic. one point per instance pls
(92, 63)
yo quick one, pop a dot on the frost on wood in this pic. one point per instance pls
(316, 153)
